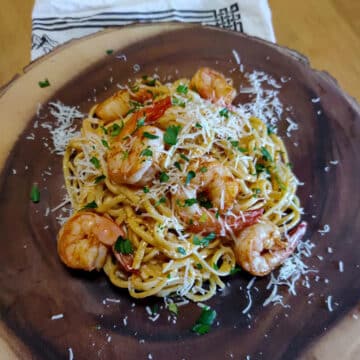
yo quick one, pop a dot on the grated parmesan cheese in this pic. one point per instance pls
(71, 354)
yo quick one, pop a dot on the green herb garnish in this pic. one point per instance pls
(146, 152)
(149, 136)
(164, 177)
(224, 112)
(205, 321)
(44, 83)
(177, 165)
(35, 193)
(177, 102)
(198, 266)
(95, 161)
(162, 200)
(105, 143)
(190, 202)
(198, 125)
(266, 155)
(203, 169)
(184, 157)
(99, 179)
(109, 51)
(173, 308)
(146, 190)
(191, 174)
(90, 205)
(171, 134)
(205, 241)
(204, 201)
(235, 270)
(104, 129)
(271, 129)
(181, 250)
(182, 89)
(123, 246)
(115, 129)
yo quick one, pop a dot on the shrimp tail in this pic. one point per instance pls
(125, 261)
(296, 234)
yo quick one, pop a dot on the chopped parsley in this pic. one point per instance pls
(198, 266)
(162, 200)
(190, 202)
(135, 88)
(177, 102)
(99, 179)
(235, 270)
(206, 319)
(191, 174)
(140, 122)
(95, 161)
(217, 214)
(105, 143)
(90, 205)
(146, 152)
(35, 193)
(115, 129)
(171, 134)
(173, 308)
(216, 267)
(149, 136)
(164, 177)
(203, 169)
(104, 129)
(198, 125)
(290, 165)
(109, 51)
(205, 241)
(177, 165)
(149, 81)
(266, 155)
(182, 89)
(125, 155)
(260, 168)
(235, 144)
(184, 157)
(146, 190)
(44, 84)
(181, 250)
(224, 112)
(271, 129)
(123, 246)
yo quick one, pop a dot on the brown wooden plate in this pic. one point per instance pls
(35, 285)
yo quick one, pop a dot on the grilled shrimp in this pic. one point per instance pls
(119, 104)
(134, 155)
(84, 240)
(212, 85)
(259, 248)
(215, 188)
(114, 107)
(134, 162)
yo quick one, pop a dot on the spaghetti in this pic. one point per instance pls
(181, 174)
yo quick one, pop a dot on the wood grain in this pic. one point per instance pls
(36, 270)
(327, 31)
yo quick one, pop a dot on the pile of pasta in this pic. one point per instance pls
(183, 173)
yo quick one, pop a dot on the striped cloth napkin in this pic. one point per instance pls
(57, 21)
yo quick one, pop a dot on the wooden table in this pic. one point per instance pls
(327, 31)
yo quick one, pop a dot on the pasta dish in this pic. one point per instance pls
(174, 188)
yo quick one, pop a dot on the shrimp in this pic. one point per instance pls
(259, 248)
(214, 187)
(134, 162)
(85, 240)
(119, 104)
(114, 107)
(133, 158)
(212, 85)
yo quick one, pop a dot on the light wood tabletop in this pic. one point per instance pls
(326, 31)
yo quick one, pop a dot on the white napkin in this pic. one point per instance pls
(57, 21)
